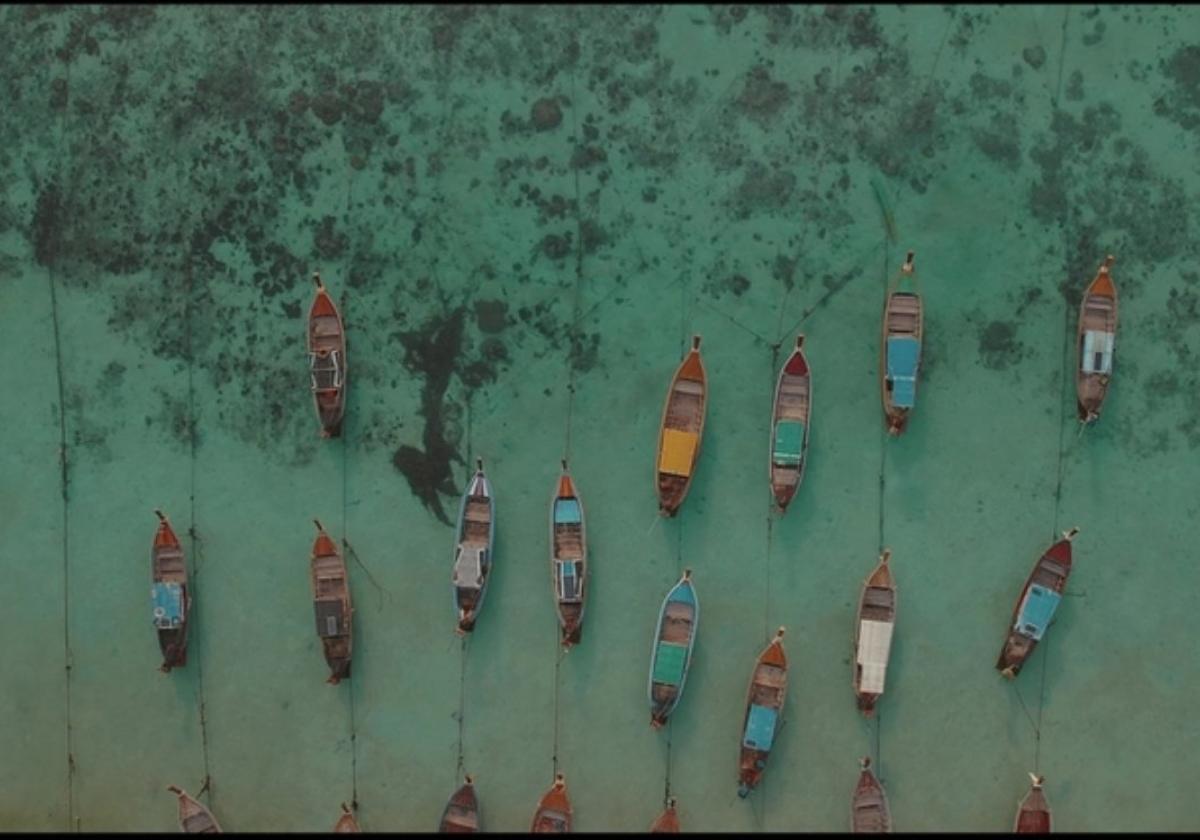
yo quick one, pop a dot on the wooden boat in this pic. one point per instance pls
(346, 823)
(568, 558)
(681, 431)
(194, 818)
(331, 601)
(553, 815)
(461, 815)
(789, 426)
(672, 651)
(1094, 342)
(169, 594)
(327, 360)
(900, 362)
(1033, 812)
(869, 812)
(764, 713)
(668, 820)
(1035, 608)
(873, 634)
(473, 549)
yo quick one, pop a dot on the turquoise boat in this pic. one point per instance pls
(903, 331)
(672, 651)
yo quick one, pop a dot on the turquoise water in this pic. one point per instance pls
(524, 214)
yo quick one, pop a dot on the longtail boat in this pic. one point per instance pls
(553, 815)
(903, 329)
(331, 601)
(873, 634)
(789, 426)
(169, 594)
(672, 651)
(473, 549)
(194, 818)
(1035, 608)
(1033, 812)
(1095, 342)
(461, 815)
(764, 713)
(869, 812)
(681, 431)
(568, 558)
(668, 820)
(346, 823)
(327, 360)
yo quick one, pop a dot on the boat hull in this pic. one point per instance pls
(326, 337)
(792, 405)
(681, 432)
(678, 619)
(476, 530)
(1098, 313)
(1051, 572)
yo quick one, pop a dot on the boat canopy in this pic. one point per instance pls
(903, 353)
(168, 605)
(669, 663)
(468, 567)
(789, 443)
(330, 618)
(678, 452)
(326, 370)
(570, 580)
(874, 646)
(567, 512)
(1097, 351)
(1036, 611)
(760, 728)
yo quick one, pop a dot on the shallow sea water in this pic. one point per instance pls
(524, 215)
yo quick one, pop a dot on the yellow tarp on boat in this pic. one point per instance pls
(678, 450)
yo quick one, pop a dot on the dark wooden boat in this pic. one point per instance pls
(869, 813)
(461, 815)
(873, 634)
(346, 823)
(681, 430)
(900, 362)
(789, 426)
(473, 549)
(327, 360)
(553, 815)
(331, 601)
(568, 558)
(668, 820)
(1035, 608)
(1033, 812)
(671, 654)
(1095, 342)
(194, 818)
(169, 594)
(764, 713)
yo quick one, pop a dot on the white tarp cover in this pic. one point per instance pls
(874, 644)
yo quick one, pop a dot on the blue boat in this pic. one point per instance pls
(903, 329)
(473, 549)
(568, 558)
(672, 651)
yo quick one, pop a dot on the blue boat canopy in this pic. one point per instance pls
(568, 580)
(1097, 351)
(168, 605)
(789, 443)
(903, 353)
(669, 663)
(760, 728)
(567, 512)
(1036, 611)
